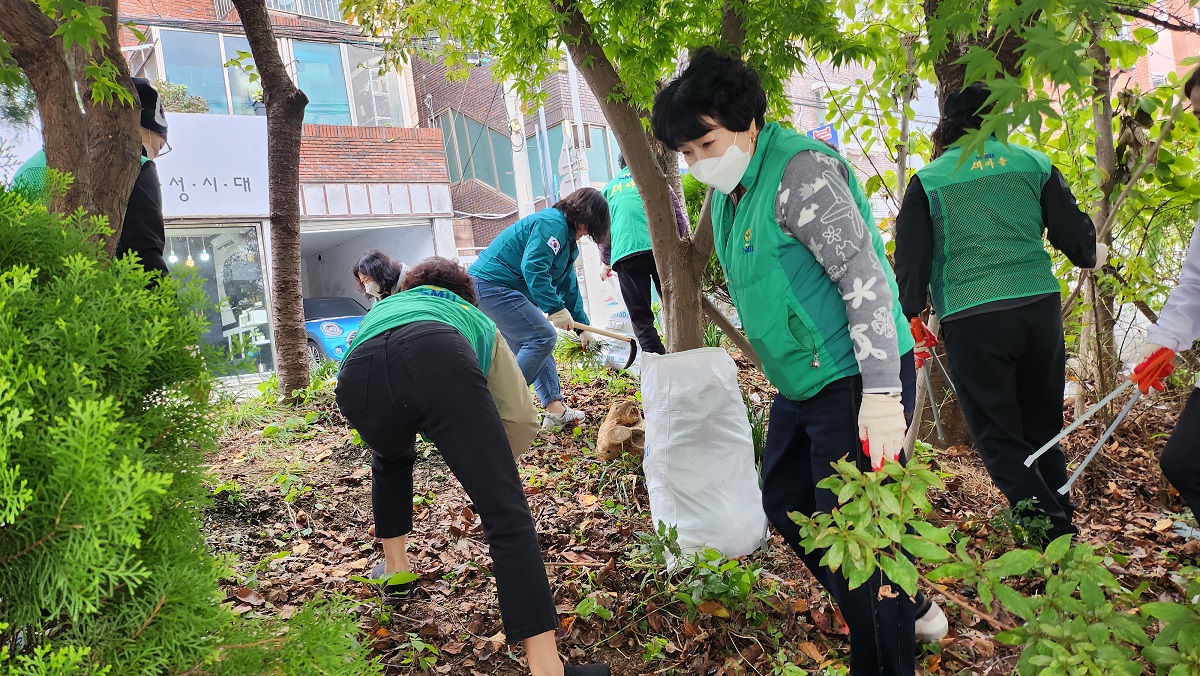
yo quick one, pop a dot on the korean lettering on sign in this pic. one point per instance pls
(236, 183)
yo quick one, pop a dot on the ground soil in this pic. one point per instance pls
(292, 513)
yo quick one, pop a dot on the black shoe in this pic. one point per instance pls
(393, 594)
(587, 670)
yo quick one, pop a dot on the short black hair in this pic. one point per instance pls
(620, 160)
(1192, 81)
(586, 206)
(715, 86)
(379, 267)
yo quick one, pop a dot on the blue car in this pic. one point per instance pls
(331, 324)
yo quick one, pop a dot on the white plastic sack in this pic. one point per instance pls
(699, 460)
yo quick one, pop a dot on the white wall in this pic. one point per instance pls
(327, 271)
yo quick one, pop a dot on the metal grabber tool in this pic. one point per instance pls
(1082, 419)
(1137, 394)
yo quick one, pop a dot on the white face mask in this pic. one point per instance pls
(372, 289)
(725, 172)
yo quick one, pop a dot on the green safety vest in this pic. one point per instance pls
(987, 227)
(629, 231)
(30, 179)
(792, 312)
(435, 304)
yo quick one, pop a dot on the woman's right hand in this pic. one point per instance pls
(562, 320)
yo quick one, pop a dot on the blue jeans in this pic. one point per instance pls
(803, 438)
(529, 334)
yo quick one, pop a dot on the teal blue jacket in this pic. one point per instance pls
(536, 256)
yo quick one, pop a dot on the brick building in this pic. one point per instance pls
(1164, 56)
(370, 176)
(489, 144)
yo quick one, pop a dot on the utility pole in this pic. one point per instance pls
(520, 153)
(551, 184)
(581, 163)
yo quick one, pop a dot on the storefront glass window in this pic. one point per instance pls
(229, 262)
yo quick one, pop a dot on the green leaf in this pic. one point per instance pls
(1057, 549)
(1169, 612)
(931, 532)
(900, 571)
(1162, 657)
(926, 551)
(1145, 35)
(1016, 562)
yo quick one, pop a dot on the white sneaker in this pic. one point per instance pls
(557, 421)
(932, 625)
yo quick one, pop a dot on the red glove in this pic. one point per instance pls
(1150, 373)
(925, 340)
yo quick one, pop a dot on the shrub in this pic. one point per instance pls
(105, 417)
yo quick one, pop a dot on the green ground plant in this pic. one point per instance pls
(1070, 614)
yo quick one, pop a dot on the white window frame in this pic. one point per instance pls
(157, 54)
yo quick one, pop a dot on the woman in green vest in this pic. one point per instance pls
(427, 360)
(808, 274)
(969, 236)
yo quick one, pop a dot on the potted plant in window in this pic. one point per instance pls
(256, 99)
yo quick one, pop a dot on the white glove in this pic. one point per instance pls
(1147, 350)
(562, 320)
(586, 338)
(1101, 256)
(881, 427)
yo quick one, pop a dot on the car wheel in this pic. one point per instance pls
(315, 354)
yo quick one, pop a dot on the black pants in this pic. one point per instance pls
(425, 377)
(634, 274)
(1008, 369)
(1181, 458)
(803, 438)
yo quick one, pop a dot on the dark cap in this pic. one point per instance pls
(153, 117)
(967, 101)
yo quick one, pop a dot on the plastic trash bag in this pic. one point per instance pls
(699, 459)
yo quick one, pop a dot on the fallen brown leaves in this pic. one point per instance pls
(587, 513)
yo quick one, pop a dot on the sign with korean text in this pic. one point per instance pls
(217, 166)
(825, 133)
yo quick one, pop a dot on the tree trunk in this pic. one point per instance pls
(97, 143)
(285, 122)
(681, 262)
(1097, 349)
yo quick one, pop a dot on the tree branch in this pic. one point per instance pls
(733, 29)
(114, 141)
(996, 624)
(41, 57)
(737, 337)
(1180, 26)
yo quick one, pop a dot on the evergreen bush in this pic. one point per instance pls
(105, 418)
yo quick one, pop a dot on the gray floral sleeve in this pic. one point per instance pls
(815, 207)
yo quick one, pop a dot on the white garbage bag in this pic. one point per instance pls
(699, 460)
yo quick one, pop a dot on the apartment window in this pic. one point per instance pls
(474, 150)
(321, 9)
(554, 138)
(1157, 79)
(320, 73)
(343, 83)
(600, 165)
(376, 95)
(242, 92)
(195, 60)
